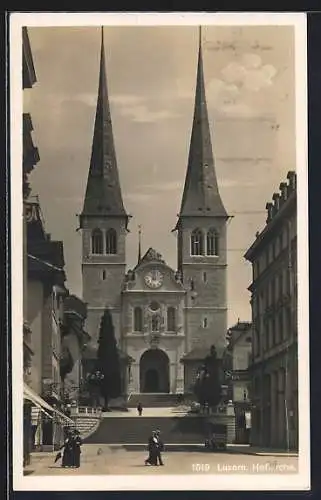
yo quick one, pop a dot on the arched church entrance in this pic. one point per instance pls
(154, 371)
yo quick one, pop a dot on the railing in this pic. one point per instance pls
(86, 410)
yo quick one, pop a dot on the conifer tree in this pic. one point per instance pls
(108, 362)
(208, 382)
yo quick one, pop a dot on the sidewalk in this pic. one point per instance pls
(39, 460)
(255, 450)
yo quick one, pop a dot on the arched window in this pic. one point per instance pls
(197, 242)
(212, 242)
(205, 323)
(138, 319)
(171, 323)
(97, 241)
(111, 241)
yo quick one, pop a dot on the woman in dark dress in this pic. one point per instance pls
(152, 448)
(67, 457)
(76, 449)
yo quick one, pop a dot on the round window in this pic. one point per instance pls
(154, 306)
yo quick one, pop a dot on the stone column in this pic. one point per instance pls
(172, 377)
(133, 386)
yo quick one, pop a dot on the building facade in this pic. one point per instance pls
(73, 342)
(164, 319)
(239, 351)
(43, 296)
(30, 159)
(274, 369)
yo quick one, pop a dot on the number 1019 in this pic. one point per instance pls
(201, 467)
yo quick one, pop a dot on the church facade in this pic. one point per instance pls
(165, 320)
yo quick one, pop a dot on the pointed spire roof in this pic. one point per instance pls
(139, 244)
(103, 193)
(201, 195)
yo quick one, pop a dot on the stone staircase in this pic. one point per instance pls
(128, 430)
(87, 420)
(155, 400)
(87, 425)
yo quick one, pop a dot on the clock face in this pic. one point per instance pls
(154, 279)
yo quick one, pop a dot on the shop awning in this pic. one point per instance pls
(42, 404)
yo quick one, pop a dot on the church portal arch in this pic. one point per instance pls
(154, 371)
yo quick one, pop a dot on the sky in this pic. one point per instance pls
(151, 74)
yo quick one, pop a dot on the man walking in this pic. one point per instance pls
(159, 449)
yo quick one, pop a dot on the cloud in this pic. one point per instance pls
(86, 98)
(141, 114)
(165, 186)
(250, 73)
(234, 183)
(126, 99)
(147, 192)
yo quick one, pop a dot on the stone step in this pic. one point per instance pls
(86, 425)
(154, 400)
(184, 430)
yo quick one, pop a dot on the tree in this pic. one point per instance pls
(208, 381)
(108, 362)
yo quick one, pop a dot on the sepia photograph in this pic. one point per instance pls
(160, 269)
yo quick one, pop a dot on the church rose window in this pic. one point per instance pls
(197, 242)
(154, 306)
(111, 241)
(97, 241)
(212, 242)
(138, 319)
(171, 319)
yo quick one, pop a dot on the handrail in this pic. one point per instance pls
(86, 410)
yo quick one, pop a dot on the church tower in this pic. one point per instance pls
(201, 234)
(103, 220)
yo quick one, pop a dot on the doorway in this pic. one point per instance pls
(151, 380)
(154, 371)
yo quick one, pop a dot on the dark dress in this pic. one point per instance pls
(159, 449)
(67, 457)
(152, 448)
(76, 451)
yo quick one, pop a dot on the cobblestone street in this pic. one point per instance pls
(111, 460)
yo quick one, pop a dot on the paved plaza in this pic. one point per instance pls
(109, 460)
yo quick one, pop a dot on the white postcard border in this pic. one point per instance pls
(300, 481)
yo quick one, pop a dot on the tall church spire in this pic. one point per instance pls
(201, 195)
(139, 244)
(103, 194)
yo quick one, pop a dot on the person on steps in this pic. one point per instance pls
(140, 409)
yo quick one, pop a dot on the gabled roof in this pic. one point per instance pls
(103, 194)
(151, 256)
